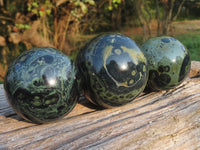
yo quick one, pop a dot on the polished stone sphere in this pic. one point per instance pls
(41, 86)
(168, 62)
(113, 69)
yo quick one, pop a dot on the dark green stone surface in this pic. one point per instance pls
(113, 68)
(168, 62)
(40, 85)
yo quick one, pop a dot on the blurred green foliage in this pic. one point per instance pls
(192, 42)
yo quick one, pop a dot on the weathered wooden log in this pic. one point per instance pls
(157, 120)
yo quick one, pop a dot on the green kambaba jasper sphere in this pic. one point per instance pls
(168, 62)
(41, 85)
(113, 68)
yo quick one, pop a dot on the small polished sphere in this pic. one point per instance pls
(41, 85)
(168, 62)
(113, 68)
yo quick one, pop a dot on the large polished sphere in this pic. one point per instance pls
(168, 62)
(113, 68)
(41, 85)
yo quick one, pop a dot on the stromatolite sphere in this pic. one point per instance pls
(113, 68)
(40, 85)
(168, 62)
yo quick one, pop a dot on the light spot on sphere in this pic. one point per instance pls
(52, 82)
(124, 67)
(173, 60)
(118, 51)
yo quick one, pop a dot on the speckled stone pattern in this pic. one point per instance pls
(40, 85)
(168, 62)
(113, 68)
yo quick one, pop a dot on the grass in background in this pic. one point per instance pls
(1, 82)
(138, 39)
(192, 42)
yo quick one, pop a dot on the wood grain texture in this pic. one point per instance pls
(158, 120)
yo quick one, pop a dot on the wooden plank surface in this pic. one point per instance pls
(158, 120)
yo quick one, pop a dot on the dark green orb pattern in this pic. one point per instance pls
(113, 69)
(41, 85)
(168, 62)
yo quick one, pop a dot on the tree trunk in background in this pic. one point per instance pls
(179, 10)
(167, 15)
(148, 19)
(1, 2)
(55, 24)
(141, 6)
(158, 17)
(138, 7)
(63, 26)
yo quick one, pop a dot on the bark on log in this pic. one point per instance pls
(158, 120)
